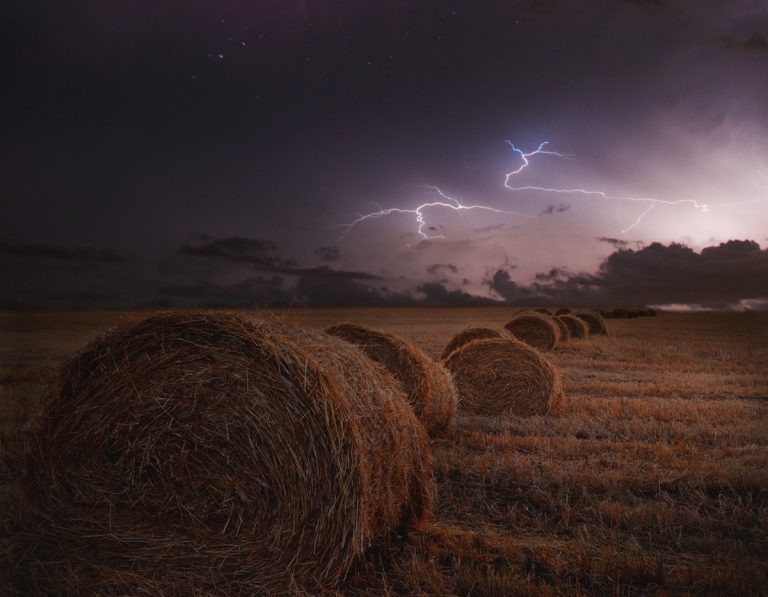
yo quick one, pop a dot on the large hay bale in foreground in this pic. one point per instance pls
(534, 329)
(202, 453)
(577, 328)
(503, 375)
(467, 335)
(428, 386)
(594, 320)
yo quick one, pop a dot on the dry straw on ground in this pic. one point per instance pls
(428, 386)
(502, 375)
(202, 453)
(577, 328)
(534, 329)
(469, 334)
(594, 320)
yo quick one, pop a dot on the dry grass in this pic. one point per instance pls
(652, 480)
(200, 452)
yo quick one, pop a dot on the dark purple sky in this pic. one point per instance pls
(214, 152)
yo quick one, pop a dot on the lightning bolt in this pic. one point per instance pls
(419, 211)
(652, 201)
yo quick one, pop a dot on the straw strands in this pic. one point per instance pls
(467, 335)
(500, 375)
(428, 386)
(198, 453)
(534, 329)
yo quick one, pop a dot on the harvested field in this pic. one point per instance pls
(651, 480)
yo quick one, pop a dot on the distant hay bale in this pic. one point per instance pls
(652, 312)
(563, 330)
(594, 320)
(467, 335)
(577, 328)
(503, 375)
(543, 311)
(202, 453)
(619, 314)
(428, 386)
(534, 329)
(563, 311)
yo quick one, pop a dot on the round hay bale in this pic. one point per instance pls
(428, 386)
(503, 375)
(534, 329)
(563, 311)
(467, 335)
(652, 313)
(202, 453)
(577, 328)
(543, 311)
(563, 330)
(594, 320)
(619, 314)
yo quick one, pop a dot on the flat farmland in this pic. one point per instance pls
(652, 479)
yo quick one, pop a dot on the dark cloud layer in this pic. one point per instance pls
(264, 256)
(718, 276)
(47, 252)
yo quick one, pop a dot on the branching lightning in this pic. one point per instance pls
(652, 201)
(447, 202)
(419, 211)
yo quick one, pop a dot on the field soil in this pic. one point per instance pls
(651, 479)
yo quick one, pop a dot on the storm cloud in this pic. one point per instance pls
(719, 276)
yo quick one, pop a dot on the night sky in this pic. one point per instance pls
(222, 153)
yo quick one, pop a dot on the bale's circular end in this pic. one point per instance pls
(428, 386)
(498, 376)
(577, 328)
(193, 453)
(467, 335)
(594, 321)
(535, 329)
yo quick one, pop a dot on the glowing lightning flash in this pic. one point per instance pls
(449, 203)
(652, 201)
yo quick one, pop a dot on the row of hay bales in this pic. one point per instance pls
(197, 453)
(545, 330)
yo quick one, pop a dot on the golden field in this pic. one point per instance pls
(653, 478)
